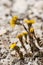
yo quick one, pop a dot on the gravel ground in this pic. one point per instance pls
(33, 9)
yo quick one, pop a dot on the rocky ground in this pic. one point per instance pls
(33, 9)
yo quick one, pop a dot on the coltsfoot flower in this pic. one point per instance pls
(25, 33)
(13, 45)
(31, 30)
(20, 35)
(29, 21)
(13, 21)
(20, 39)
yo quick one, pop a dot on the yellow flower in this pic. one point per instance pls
(12, 46)
(32, 21)
(13, 21)
(20, 35)
(29, 21)
(31, 30)
(25, 33)
(15, 18)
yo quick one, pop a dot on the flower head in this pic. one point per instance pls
(29, 21)
(25, 33)
(20, 35)
(31, 30)
(13, 21)
(12, 46)
(15, 18)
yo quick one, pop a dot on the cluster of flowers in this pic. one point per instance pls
(29, 32)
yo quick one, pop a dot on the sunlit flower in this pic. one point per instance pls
(15, 47)
(20, 39)
(31, 30)
(13, 21)
(19, 35)
(29, 21)
(12, 46)
(25, 36)
(25, 33)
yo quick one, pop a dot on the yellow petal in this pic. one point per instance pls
(12, 25)
(25, 33)
(31, 29)
(29, 21)
(12, 46)
(32, 21)
(26, 21)
(15, 17)
(20, 35)
(13, 21)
